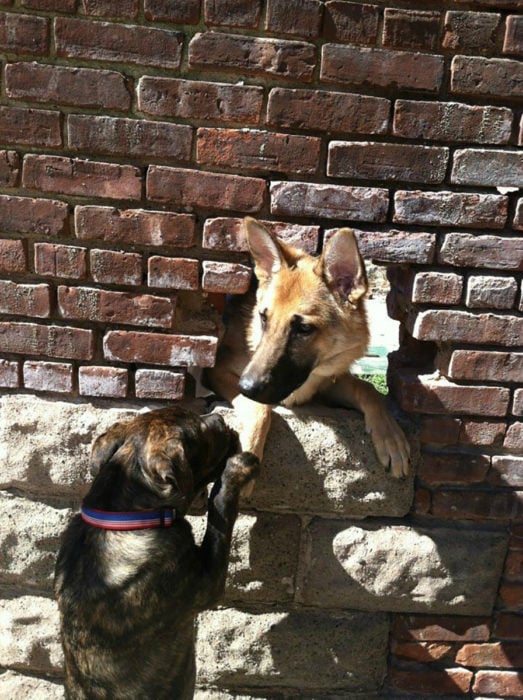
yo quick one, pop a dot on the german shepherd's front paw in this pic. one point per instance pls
(240, 472)
(390, 443)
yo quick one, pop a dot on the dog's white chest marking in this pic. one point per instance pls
(124, 553)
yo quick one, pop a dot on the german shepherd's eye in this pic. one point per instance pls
(263, 319)
(302, 328)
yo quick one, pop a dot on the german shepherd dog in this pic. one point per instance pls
(295, 337)
(129, 578)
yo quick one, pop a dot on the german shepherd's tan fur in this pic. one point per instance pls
(296, 337)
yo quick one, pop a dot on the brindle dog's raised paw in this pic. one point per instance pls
(241, 470)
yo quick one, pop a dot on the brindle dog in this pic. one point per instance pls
(128, 599)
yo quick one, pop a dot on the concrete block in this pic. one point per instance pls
(16, 686)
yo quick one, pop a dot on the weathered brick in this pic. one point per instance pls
(279, 58)
(482, 433)
(437, 288)
(411, 29)
(513, 43)
(53, 260)
(172, 273)
(329, 201)
(24, 34)
(199, 100)
(225, 278)
(514, 439)
(106, 41)
(396, 162)
(487, 168)
(159, 384)
(193, 188)
(440, 431)
(51, 341)
(232, 13)
(492, 77)
(452, 121)
(394, 246)
(380, 68)
(258, 150)
(469, 250)
(423, 651)
(300, 17)
(159, 349)
(113, 267)
(228, 234)
(352, 22)
(509, 626)
(470, 31)
(134, 138)
(441, 628)
(102, 381)
(85, 304)
(25, 299)
(507, 470)
(445, 682)
(491, 292)
(119, 9)
(42, 217)
(48, 376)
(81, 177)
(513, 570)
(511, 594)
(134, 226)
(462, 327)
(12, 256)
(9, 374)
(30, 127)
(518, 216)
(477, 505)
(450, 209)
(80, 87)
(50, 5)
(179, 12)
(517, 406)
(453, 468)
(334, 112)
(503, 683)
(9, 168)
(486, 365)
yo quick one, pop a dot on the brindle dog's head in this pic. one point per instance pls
(163, 458)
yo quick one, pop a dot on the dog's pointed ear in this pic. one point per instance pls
(265, 250)
(106, 445)
(342, 266)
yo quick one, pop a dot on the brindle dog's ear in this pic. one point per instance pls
(343, 267)
(169, 470)
(265, 250)
(106, 445)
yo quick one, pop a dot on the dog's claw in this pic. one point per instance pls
(390, 443)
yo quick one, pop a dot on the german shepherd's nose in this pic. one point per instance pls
(259, 389)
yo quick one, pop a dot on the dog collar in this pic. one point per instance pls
(135, 520)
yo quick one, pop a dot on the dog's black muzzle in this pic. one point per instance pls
(273, 386)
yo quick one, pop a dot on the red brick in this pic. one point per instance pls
(394, 162)
(225, 278)
(84, 304)
(450, 209)
(437, 288)
(460, 326)
(81, 177)
(471, 31)
(9, 374)
(193, 188)
(513, 43)
(448, 681)
(112, 267)
(333, 112)
(329, 201)
(232, 13)
(422, 504)
(200, 101)
(159, 384)
(470, 250)
(24, 34)
(102, 381)
(513, 570)
(453, 468)
(509, 626)
(487, 168)
(300, 17)
(490, 77)
(160, 349)
(25, 299)
(135, 226)
(249, 55)
(440, 431)
(479, 365)
(452, 121)
(253, 150)
(173, 273)
(51, 341)
(511, 594)
(130, 138)
(352, 22)
(9, 168)
(119, 9)
(514, 440)
(12, 256)
(50, 5)
(424, 394)
(502, 683)
(228, 234)
(477, 505)
(80, 87)
(482, 433)
(411, 29)
(379, 68)
(60, 260)
(498, 655)
(426, 628)
(518, 216)
(179, 12)
(517, 407)
(48, 376)
(30, 127)
(424, 652)
(42, 217)
(488, 292)
(395, 246)
(106, 41)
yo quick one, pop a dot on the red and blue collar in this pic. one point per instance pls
(135, 520)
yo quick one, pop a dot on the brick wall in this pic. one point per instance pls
(135, 135)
